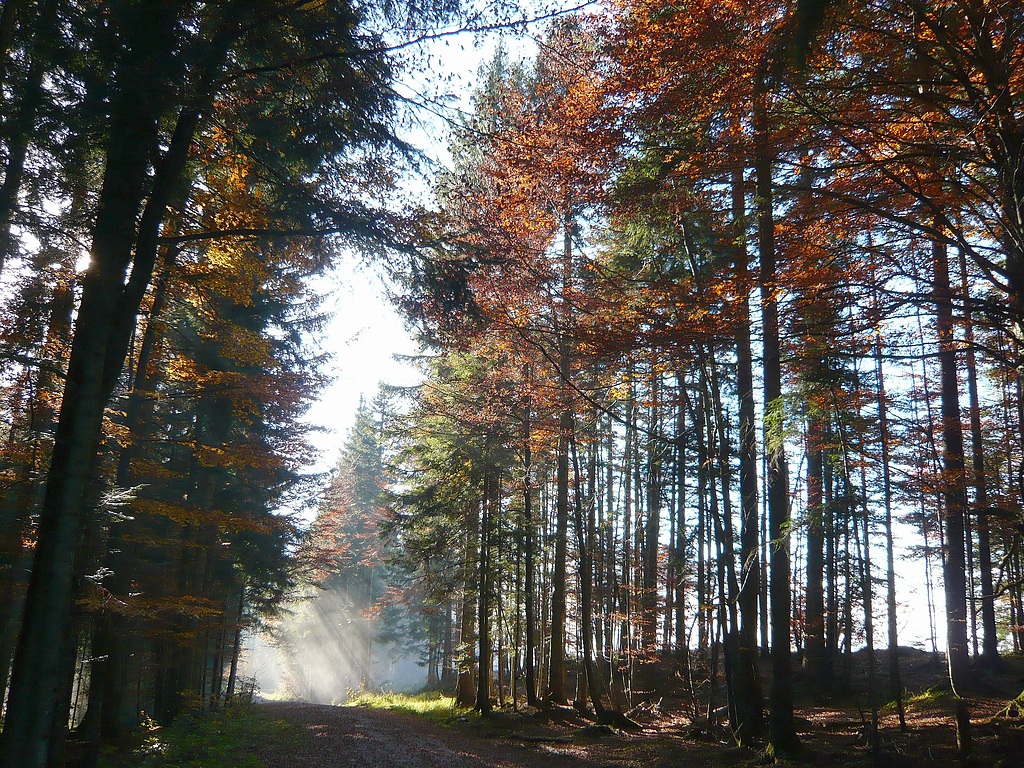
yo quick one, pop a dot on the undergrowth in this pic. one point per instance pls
(226, 739)
(937, 694)
(432, 706)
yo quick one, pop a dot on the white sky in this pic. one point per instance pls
(363, 338)
(367, 333)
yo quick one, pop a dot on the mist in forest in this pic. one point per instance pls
(325, 648)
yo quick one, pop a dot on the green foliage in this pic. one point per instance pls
(433, 706)
(774, 426)
(935, 696)
(227, 739)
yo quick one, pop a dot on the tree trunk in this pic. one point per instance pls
(585, 539)
(814, 610)
(679, 586)
(112, 639)
(990, 637)
(626, 585)
(484, 661)
(37, 704)
(448, 676)
(895, 683)
(750, 571)
(747, 719)
(867, 592)
(782, 730)
(954, 489)
(556, 671)
(531, 630)
(465, 693)
(652, 527)
(236, 646)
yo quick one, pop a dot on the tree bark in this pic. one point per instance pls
(679, 587)
(483, 685)
(531, 629)
(814, 611)
(782, 730)
(556, 671)
(585, 540)
(465, 696)
(990, 636)
(652, 525)
(747, 719)
(750, 571)
(954, 487)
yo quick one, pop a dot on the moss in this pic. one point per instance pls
(934, 696)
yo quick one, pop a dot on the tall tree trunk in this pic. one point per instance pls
(236, 645)
(626, 586)
(990, 637)
(922, 500)
(21, 504)
(750, 570)
(112, 639)
(448, 676)
(747, 718)
(483, 686)
(37, 704)
(557, 672)
(867, 591)
(465, 694)
(954, 488)
(652, 526)
(831, 573)
(679, 586)
(585, 540)
(782, 730)
(895, 682)
(531, 629)
(814, 611)
(697, 417)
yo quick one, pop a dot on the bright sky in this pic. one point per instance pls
(367, 333)
(363, 338)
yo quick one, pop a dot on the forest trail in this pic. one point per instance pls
(832, 736)
(358, 736)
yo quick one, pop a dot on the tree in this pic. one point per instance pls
(172, 69)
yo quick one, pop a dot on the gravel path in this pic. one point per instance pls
(356, 736)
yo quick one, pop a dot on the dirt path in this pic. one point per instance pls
(833, 738)
(356, 736)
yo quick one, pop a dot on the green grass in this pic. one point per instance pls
(215, 740)
(933, 696)
(432, 706)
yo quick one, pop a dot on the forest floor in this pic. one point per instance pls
(833, 733)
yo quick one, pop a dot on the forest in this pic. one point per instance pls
(721, 316)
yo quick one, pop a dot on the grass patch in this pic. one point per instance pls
(432, 706)
(226, 739)
(932, 697)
